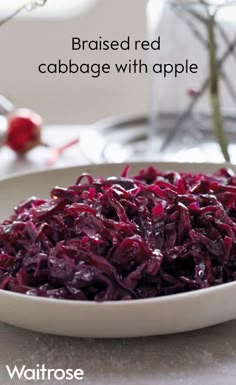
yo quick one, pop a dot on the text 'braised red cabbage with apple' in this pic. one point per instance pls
(119, 238)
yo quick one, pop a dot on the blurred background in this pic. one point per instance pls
(168, 115)
(45, 36)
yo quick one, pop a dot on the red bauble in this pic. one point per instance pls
(23, 130)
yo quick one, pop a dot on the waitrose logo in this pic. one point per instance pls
(42, 373)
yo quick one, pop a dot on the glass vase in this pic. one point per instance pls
(193, 113)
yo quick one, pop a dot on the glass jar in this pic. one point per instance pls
(193, 113)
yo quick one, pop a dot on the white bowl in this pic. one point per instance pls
(169, 314)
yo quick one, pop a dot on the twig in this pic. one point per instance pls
(195, 14)
(183, 16)
(27, 7)
(224, 75)
(224, 36)
(175, 129)
(35, 4)
(15, 13)
(214, 91)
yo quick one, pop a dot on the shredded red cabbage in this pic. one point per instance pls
(153, 234)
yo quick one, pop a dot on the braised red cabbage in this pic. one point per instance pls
(153, 234)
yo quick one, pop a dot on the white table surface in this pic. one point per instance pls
(203, 357)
